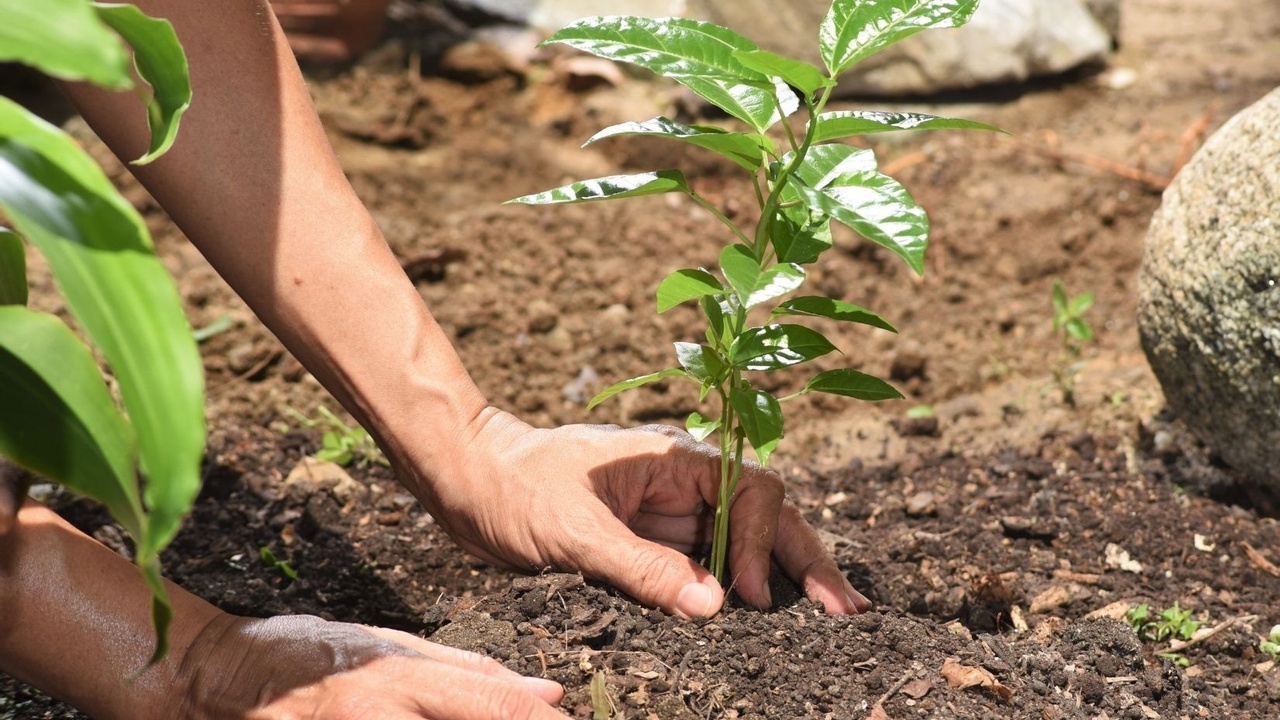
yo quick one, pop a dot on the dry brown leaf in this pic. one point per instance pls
(1259, 560)
(963, 676)
(878, 713)
(917, 689)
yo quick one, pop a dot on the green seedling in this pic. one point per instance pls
(1075, 331)
(340, 443)
(1271, 646)
(1173, 623)
(803, 180)
(270, 560)
(136, 447)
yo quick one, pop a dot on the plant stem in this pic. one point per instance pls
(719, 535)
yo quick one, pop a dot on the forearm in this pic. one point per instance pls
(75, 621)
(253, 182)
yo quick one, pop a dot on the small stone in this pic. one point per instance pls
(922, 503)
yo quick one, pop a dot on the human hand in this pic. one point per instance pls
(294, 667)
(14, 482)
(623, 506)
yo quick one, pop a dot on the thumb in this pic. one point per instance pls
(653, 574)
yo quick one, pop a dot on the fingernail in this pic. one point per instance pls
(695, 601)
(765, 594)
(858, 603)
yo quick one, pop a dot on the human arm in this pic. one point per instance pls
(74, 622)
(254, 184)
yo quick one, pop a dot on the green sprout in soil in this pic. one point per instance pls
(1173, 623)
(340, 443)
(1069, 323)
(802, 180)
(270, 560)
(1271, 646)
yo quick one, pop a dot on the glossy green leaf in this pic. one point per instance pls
(701, 362)
(753, 285)
(684, 285)
(58, 419)
(760, 416)
(817, 306)
(880, 209)
(161, 62)
(13, 269)
(65, 39)
(800, 236)
(801, 75)
(777, 346)
(850, 123)
(700, 427)
(742, 148)
(699, 55)
(609, 188)
(634, 383)
(718, 314)
(854, 384)
(856, 29)
(825, 164)
(101, 256)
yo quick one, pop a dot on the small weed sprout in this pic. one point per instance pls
(270, 560)
(1069, 323)
(1173, 623)
(340, 443)
(802, 181)
(1271, 646)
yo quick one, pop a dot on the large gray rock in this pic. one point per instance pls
(1209, 295)
(1007, 40)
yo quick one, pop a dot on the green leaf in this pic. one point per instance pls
(609, 188)
(13, 269)
(698, 55)
(777, 346)
(101, 256)
(856, 29)
(1080, 304)
(634, 383)
(742, 148)
(702, 363)
(817, 306)
(1059, 299)
(854, 384)
(807, 78)
(1079, 329)
(753, 285)
(760, 416)
(685, 285)
(65, 39)
(849, 123)
(800, 236)
(161, 62)
(699, 427)
(880, 209)
(58, 419)
(825, 164)
(717, 313)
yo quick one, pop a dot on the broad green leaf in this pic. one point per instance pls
(1080, 304)
(101, 256)
(58, 419)
(800, 236)
(760, 416)
(753, 285)
(161, 62)
(824, 164)
(65, 39)
(856, 29)
(742, 148)
(699, 427)
(849, 123)
(880, 209)
(609, 188)
(777, 346)
(854, 384)
(685, 285)
(13, 269)
(807, 78)
(699, 55)
(634, 383)
(817, 306)
(701, 362)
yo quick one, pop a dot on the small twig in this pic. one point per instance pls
(1192, 135)
(1259, 560)
(1180, 645)
(1150, 179)
(906, 677)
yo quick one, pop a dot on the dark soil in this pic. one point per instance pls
(992, 535)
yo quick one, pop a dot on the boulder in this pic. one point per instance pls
(1209, 295)
(1007, 40)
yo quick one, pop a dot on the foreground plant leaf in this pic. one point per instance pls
(701, 362)
(851, 383)
(634, 383)
(880, 209)
(818, 306)
(65, 39)
(698, 55)
(161, 62)
(850, 123)
(102, 259)
(777, 346)
(856, 29)
(742, 148)
(700, 427)
(753, 285)
(801, 75)
(608, 188)
(761, 417)
(684, 285)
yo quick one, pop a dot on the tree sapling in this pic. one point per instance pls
(802, 181)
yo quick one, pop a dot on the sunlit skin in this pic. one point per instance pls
(253, 183)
